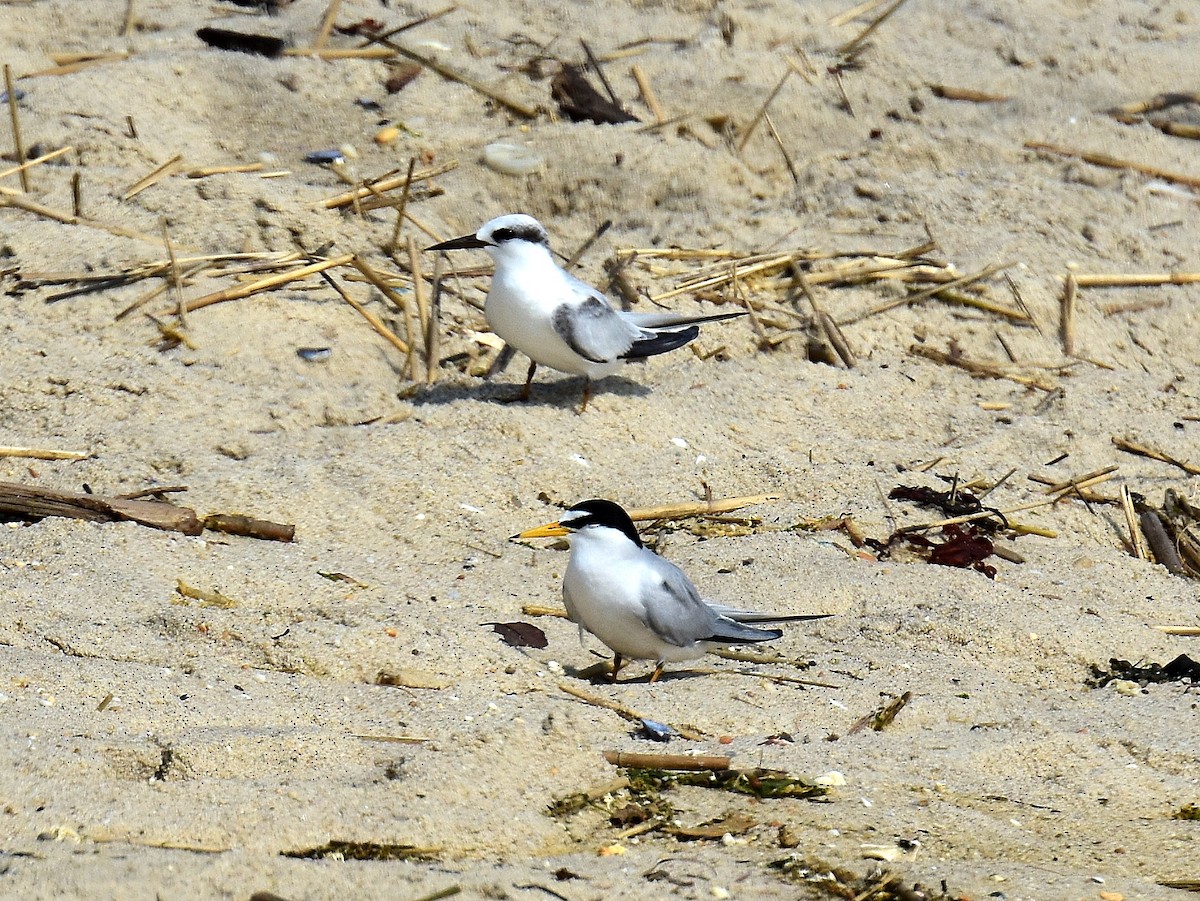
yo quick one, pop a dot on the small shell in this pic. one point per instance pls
(325, 157)
(314, 354)
(387, 135)
(512, 159)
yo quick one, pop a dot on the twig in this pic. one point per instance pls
(130, 18)
(1095, 477)
(206, 171)
(15, 119)
(266, 284)
(445, 71)
(698, 508)
(408, 26)
(595, 64)
(979, 368)
(326, 24)
(1142, 450)
(375, 322)
(1067, 315)
(882, 718)
(647, 92)
(433, 328)
(583, 248)
(382, 186)
(407, 187)
(849, 48)
(175, 281)
(36, 453)
(787, 157)
(641, 761)
(621, 710)
(1136, 545)
(539, 610)
(1135, 280)
(36, 502)
(854, 12)
(762, 110)
(1109, 162)
(249, 527)
(417, 320)
(972, 96)
(167, 168)
(37, 161)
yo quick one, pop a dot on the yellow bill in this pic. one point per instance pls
(549, 530)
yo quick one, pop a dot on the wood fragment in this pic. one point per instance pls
(623, 711)
(1155, 104)
(1161, 545)
(27, 501)
(1067, 315)
(37, 453)
(15, 120)
(642, 761)
(408, 26)
(168, 168)
(1180, 630)
(855, 11)
(205, 597)
(1141, 450)
(249, 527)
(130, 18)
(1110, 162)
(968, 94)
(540, 610)
(882, 718)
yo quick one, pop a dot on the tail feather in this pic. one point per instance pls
(753, 616)
(674, 320)
(660, 343)
(730, 631)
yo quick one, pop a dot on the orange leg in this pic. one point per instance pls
(658, 671)
(617, 664)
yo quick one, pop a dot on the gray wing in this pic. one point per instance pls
(674, 609)
(594, 330)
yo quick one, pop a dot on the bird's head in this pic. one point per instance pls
(510, 231)
(586, 515)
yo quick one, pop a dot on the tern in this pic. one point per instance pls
(640, 605)
(557, 320)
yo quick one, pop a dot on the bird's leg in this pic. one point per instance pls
(658, 671)
(617, 664)
(528, 380)
(587, 394)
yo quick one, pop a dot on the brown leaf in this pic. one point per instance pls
(520, 635)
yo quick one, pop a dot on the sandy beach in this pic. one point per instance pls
(214, 716)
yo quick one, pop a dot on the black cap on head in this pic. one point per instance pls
(599, 512)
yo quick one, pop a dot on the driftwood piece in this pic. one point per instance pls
(28, 502)
(31, 503)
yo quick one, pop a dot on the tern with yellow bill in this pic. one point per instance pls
(642, 606)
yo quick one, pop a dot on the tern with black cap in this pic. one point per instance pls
(640, 605)
(555, 319)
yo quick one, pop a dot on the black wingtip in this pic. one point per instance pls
(660, 343)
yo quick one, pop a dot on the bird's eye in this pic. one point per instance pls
(503, 234)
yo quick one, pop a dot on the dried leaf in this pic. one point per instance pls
(520, 635)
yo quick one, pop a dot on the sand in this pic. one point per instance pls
(156, 746)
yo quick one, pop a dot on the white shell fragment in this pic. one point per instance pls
(832, 779)
(512, 159)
